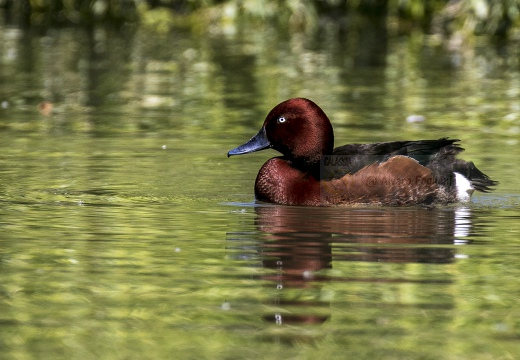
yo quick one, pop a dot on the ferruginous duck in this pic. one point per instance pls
(311, 172)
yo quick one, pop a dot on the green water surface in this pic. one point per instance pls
(126, 233)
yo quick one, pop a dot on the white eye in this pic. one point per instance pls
(281, 120)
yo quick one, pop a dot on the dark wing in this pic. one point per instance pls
(351, 158)
(437, 155)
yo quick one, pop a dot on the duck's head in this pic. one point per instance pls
(297, 128)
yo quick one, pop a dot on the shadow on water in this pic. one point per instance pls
(300, 246)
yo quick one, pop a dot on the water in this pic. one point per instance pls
(127, 233)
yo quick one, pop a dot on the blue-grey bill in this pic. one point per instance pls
(256, 143)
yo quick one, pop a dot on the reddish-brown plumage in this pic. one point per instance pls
(306, 134)
(398, 181)
(393, 173)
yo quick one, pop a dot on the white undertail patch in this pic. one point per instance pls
(464, 188)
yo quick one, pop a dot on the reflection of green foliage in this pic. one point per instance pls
(161, 20)
(471, 16)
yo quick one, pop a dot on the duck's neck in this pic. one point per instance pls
(311, 167)
(281, 181)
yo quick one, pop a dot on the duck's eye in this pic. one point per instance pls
(281, 120)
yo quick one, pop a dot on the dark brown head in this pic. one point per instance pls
(297, 128)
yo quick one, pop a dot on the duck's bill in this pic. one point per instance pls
(256, 143)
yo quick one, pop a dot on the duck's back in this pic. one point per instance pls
(455, 177)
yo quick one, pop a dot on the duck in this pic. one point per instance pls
(311, 172)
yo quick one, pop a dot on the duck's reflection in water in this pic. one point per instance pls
(298, 242)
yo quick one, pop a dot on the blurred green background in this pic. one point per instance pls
(441, 17)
